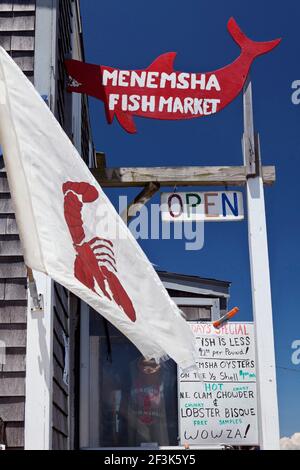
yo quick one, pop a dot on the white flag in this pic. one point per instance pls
(70, 230)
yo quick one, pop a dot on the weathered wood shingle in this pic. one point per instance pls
(13, 308)
(17, 5)
(17, 24)
(17, 36)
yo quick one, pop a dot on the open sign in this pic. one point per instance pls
(221, 206)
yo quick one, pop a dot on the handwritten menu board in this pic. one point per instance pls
(218, 402)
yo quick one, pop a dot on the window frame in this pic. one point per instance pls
(213, 303)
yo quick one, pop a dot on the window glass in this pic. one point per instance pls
(132, 401)
(196, 313)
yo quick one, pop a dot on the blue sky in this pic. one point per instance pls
(130, 35)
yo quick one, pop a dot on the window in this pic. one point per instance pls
(128, 401)
(132, 402)
(196, 313)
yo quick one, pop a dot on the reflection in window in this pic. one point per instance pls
(132, 401)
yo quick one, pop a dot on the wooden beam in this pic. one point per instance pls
(178, 176)
(140, 200)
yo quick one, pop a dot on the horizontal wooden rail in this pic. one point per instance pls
(179, 176)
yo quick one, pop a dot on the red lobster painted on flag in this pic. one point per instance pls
(160, 92)
(95, 264)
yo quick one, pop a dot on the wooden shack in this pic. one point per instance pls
(50, 383)
(39, 35)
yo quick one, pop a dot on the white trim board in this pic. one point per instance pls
(193, 290)
(39, 373)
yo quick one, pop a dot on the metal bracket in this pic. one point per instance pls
(257, 154)
(252, 156)
(250, 141)
(36, 299)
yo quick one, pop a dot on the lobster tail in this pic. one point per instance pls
(88, 192)
(73, 207)
(72, 211)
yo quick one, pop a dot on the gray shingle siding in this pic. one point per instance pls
(17, 23)
(17, 36)
(13, 308)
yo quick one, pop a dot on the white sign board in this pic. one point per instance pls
(219, 404)
(221, 206)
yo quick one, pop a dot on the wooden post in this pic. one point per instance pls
(140, 200)
(261, 289)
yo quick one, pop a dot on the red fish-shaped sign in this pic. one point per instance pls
(159, 91)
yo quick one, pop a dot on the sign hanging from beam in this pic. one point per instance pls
(159, 91)
(222, 206)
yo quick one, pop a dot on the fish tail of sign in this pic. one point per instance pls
(247, 45)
